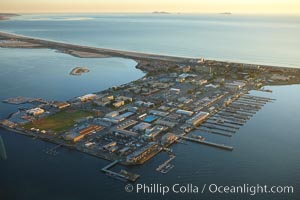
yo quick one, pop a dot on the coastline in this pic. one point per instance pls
(20, 41)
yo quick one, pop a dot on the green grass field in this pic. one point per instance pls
(60, 121)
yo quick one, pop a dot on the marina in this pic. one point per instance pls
(229, 120)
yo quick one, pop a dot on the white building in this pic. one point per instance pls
(35, 111)
(87, 97)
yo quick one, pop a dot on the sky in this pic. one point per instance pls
(132, 6)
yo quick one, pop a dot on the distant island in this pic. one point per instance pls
(161, 12)
(7, 16)
(77, 71)
(226, 13)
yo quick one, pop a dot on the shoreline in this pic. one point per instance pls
(21, 41)
(73, 147)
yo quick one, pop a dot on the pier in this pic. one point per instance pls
(227, 121)
(52, 151)
(122, 175)
(166, 166)
(214, 132)
(224, 125)
(217, 128)
(221, 146)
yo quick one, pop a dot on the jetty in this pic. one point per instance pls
(166, 166)
(201, 141)
(123, 175)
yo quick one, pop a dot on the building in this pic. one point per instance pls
(87, 97)
(141, 126)
(109, 145)
(124, 150)
(197, 119)
(35, 111)
(185, 68)
(145, 104)
(112, 114)
(184, 112)
(212, 86)
(123, 98)
(119, 103)
(202, 82)
(150, 118)
(165, 123)
(78, 135)
(180, 79)
(124, 116)
(176, 90)
(104, 101)
(158, 113)
(143, 154)
(168, 138)
(154, 131)
(126, 132)
(61, 105)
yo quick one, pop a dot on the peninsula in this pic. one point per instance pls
(131, 123)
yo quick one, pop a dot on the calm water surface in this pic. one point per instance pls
(254, 39)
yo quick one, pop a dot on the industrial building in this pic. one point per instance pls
(153, 132)
(112, 114)
(87, 97)
(141, 126)
(61, 105)
(197, 119)
(119, 103)
(150, 118)
(158, 113)
(184, 112)
(35, 111)
(78, 135)
(143, 153)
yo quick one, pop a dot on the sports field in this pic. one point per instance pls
(60, 121)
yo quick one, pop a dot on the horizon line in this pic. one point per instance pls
(150, 12)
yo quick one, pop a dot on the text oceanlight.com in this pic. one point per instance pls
(210, 188)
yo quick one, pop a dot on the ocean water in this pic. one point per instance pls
(272, 40)
(266, 147)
